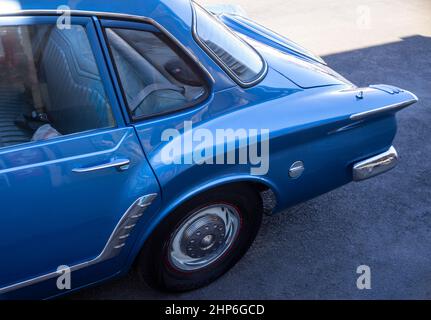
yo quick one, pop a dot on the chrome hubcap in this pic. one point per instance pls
(204, 237)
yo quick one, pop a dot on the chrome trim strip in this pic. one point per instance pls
(117, 163)
(115, 242)
(60, 160)
(115, 16)
(388, 108)
(72, 12)
(375, 165)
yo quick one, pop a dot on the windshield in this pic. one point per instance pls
(231, 52)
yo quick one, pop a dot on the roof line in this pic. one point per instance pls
(74, 12)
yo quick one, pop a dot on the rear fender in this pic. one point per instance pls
(378, 100)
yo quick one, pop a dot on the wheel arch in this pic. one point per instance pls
(256, 182)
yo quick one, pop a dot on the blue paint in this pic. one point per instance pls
(51, 216)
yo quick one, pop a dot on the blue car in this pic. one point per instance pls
(141, 135)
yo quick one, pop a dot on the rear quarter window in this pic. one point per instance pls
(232, 53)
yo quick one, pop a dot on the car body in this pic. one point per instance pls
(67, 201)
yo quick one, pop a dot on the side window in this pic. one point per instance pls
(156, 78)
(50, 84)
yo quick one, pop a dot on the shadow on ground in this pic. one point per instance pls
(312, 250)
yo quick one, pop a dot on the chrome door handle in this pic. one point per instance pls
(121, 164)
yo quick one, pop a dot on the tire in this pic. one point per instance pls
(163, 263)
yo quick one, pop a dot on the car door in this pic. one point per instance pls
(73, 177)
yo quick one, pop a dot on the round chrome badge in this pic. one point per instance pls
(296, 169)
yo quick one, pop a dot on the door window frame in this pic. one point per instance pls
(88, 24)
(148, 25)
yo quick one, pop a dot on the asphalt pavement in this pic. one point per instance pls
(312, 250)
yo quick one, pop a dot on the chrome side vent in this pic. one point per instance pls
(126, 225)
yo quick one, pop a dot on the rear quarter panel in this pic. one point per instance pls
(310, 125)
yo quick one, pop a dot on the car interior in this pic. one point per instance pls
(155, 78)
(50, 84)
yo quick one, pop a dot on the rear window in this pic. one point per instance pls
(233, 54)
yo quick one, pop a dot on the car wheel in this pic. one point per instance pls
(202, 239)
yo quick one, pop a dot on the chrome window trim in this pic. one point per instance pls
(117, 240)
(225, 68)
(114, 16)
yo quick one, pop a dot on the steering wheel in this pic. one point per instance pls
(144, 93)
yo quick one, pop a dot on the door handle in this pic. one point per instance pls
(121, 164)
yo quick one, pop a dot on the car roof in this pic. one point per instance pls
(148, 8)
